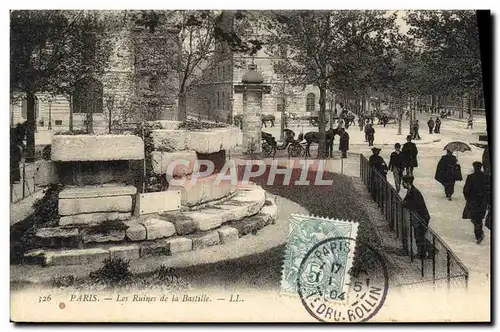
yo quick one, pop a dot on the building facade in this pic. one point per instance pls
(213, 97)
(138, 84)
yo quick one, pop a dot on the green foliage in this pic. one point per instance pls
(448, 41)
(115, 272)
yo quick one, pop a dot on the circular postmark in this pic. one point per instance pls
(328, 291)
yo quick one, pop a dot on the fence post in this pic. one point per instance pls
(24, 179)
(434, 258)
(448, 258)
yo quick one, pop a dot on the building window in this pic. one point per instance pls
(223, 73)
(88, 97)
(218, 99)
(310, 103)
(279, 104)
(58, 122)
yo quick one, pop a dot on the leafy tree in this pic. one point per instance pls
(449, 42)
(52, 51)
(330, 49)
(198, 33)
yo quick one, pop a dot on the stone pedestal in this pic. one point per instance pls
(252, 89)
(252, 122)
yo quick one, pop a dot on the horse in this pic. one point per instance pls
(314, 137)
(268, 117)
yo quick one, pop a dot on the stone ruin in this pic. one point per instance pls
(98, 207)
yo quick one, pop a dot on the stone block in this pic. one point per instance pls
(269, 212)
(183, 224)
(97, 191)
(46, 173)
(248, 225)
(168, 124)
(202, 141)
(157, 202)
(204, 240)
(102, 237)
(154, 248)
(135, 231)
(97, 147)
(158, 228)
(161, 160)
(227, 234)
(127, 252)
(207, 219)
(76, 256)
(88, 219)
(57, 237)
(98, 204)
(179, 244)
(204, 189)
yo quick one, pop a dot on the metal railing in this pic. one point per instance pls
(25, 187)
(441, 264)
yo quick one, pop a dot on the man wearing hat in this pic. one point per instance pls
(410, 153)
(476, 193)
(396, 165)
(377, 162)
(415, 203)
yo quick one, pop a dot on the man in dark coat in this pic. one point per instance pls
(370, 134)
(396, 166)
(419, 216)
(437, 126)
(446, 173)
(430, 124)
(476, 193)
(410, 153)
(344, 142)
(416, 127)
(15, 159)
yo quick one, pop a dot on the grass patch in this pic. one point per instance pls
(339, 200)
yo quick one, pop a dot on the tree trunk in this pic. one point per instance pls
(70, 113)
(322, 152)
(30, 128)
(181, 112)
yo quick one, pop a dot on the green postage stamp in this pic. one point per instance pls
(305, 233)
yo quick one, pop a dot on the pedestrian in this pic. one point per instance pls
(377, 163)
(470, 122)
(448, 172)
(416, 126)
(437, 125)
(15, 159)
(430, 124)
(370, 134)
(410, 153)
(344, 142)
(361, 122)
(476, 193)
(396, 166)
(419, 215)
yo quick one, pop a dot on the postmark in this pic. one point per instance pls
(304, 233)
(328, 295)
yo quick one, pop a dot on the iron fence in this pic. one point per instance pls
(441, 264)
(26, 186)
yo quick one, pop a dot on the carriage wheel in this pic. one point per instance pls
(296, 150)
(268, 150)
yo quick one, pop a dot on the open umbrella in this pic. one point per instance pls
(457, 146)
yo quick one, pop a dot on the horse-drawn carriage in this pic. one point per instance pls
(293, 146)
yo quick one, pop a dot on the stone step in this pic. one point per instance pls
(97, 191)
(156, 247)
(246, 202)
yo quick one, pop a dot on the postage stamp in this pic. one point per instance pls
(304, 233)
